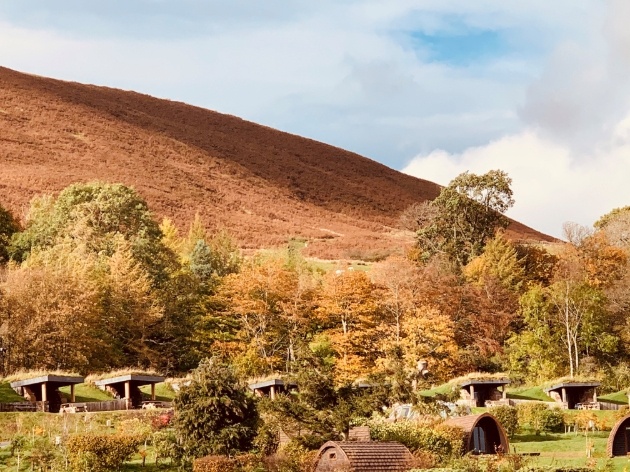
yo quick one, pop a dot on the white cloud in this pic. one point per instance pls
(571, 156)
(550, 184)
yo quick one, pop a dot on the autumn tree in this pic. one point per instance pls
(573, 310)
(348, 311)
(270, 301)
(499, 263)
(396, 280)
(130, 309)
(49, 318)
(430, 336)
(95, 214)
(467, 213)
(8, 227)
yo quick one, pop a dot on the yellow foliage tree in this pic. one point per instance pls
(430, 336)
(348, 309)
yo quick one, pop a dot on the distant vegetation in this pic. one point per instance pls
(94, 283)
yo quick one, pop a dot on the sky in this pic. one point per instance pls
(433, 88)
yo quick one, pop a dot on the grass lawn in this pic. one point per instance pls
(87, 393)
(564, 450)
(163, 392)
(621, 398)
(529, 393)
(8, 395)
(443, 389)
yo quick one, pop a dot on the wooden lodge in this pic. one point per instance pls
(575, 395)
(619, 438)
(44, 390)
(128, 387)
(476, 392)
(484, 434)
(363, 456)
(269, 388)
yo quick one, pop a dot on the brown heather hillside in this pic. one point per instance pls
(263, 185)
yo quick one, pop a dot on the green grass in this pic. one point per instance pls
(529, 393)
(51, 424)
(564, 450)
(443, 389)
(620, 398)
(163, 392)
(87, 393)
(8, 395)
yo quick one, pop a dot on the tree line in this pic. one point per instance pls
(91, 281)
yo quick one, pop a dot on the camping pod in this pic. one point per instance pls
(363, 456)
(483, 434)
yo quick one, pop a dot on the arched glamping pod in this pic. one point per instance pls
(363, 456)
(484, 434)
(619, 438)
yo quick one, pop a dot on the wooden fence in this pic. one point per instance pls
(611, 406)
(17, 406)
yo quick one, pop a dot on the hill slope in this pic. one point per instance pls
(261, 184)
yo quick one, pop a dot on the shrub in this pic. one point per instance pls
(443, 441)
(540, 418)
(214, 464)
(101, 452)
(508, 417)
(292, 458)
(267, 438)
(624, 410)
(165, 445)
(240, 463)
(161, 421)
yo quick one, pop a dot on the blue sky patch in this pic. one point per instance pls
(461, 48)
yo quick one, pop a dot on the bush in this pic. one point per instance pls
(508, 417)
(214, 464)
(623, 411)
(540, 418)
(443, 441)
(267, 438)
(292, 458)
(165, 445)
(101, 452)
(240, 463)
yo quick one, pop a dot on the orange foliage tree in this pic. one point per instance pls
(347, 308)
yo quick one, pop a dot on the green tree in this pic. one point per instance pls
(215, 413)
(318, 410)
(8, 227)
(467, 213)
(499, 262)
(95, 214)
(539, 334)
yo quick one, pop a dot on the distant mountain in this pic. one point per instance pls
(263, 185)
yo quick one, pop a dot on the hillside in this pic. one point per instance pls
(263, 185)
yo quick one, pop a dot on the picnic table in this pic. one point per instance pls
(73, 408)
(587, 406)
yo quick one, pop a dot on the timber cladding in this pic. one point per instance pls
(619, 438)
(484, 433)
(351, 456)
